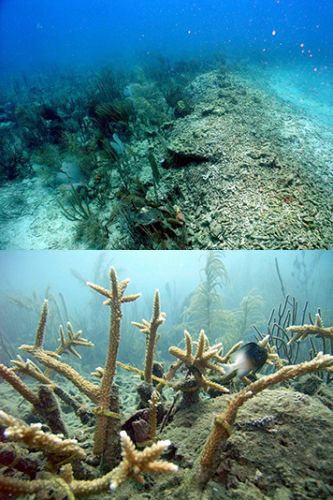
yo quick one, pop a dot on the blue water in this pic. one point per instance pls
(291, 39)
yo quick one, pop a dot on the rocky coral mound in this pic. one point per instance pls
(281, 448)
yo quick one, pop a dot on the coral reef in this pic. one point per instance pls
(173, 424)
(199, 159)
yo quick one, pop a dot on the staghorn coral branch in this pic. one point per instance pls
(29, 368)
(205, 357)
(224, 358)
(302, 331)
(73, 339)
(39, 337)
(134, 463)
(10, 376)
(150, 329)
(88, 388)
(106, 441)
(14, 486)
(272, 355)
(224, 422)
(33, 437)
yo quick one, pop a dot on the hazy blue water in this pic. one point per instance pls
(297, 60)
(36, 32)
(24, 272)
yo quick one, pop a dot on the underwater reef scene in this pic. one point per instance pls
(220, 392)
(166, 125)
(172, 155)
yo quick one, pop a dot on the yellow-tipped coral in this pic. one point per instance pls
(150, 328)
(302, 331)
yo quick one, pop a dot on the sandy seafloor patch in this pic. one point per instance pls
(31, 218)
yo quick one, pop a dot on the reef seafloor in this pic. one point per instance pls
(171, 156)
(191, 430)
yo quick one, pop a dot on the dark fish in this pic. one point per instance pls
(249, 358)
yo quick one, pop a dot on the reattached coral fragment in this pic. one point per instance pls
(134, 463)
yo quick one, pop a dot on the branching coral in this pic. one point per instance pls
(73, 339)
(302, 331)
(104, 395)
(224, 422)
(272, 356)
(132, 466)
(150, 328)
(204, 358)
(54, 446)
(105, 435)
(135, 463)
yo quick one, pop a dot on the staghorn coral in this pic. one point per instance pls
(39, 337)
(132, 466)
(104, 395)
(224, 422)
(302, 331)
(273, 357)
(134, 462)
(44, 402)
(149, 328)
(57, 449)
(88, 388)
(106, 437)
(73, 339)
(204, 358)
(10, 376)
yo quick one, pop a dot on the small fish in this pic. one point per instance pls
(250, 357)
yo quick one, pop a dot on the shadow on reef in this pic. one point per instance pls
(173, 154)
(42, 459)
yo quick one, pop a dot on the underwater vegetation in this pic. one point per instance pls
(166, 431)
(170, 155)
